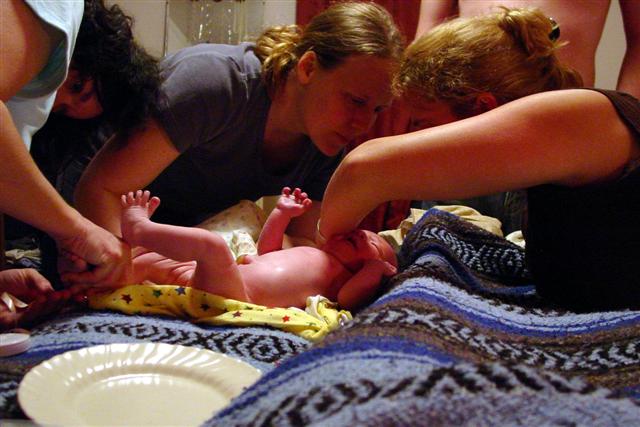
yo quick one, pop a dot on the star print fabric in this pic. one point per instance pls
(319, 318)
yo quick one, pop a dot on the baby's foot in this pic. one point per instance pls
(137, 208)
(294, 203)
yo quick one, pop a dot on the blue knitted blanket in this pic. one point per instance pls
(459, 338)
(261, 347)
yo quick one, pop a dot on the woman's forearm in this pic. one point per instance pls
(354, 190)
(120, 167)
(570, 138)
(99, 205)
(24, 192)
(27, 195)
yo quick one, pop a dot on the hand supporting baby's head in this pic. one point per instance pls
(357, 246)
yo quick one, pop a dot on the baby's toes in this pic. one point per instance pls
(154, 202)
(144, 198)
(137, 197)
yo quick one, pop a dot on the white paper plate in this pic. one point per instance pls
(133, 384)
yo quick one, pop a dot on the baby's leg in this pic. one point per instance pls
(216, 271)
(154, 267)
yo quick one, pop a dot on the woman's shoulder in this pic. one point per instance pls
(580, 102)
(64, 18)
(210, 57)
(225, 72)
(208, 88)
(620, 100)
(627, 106)
(614, 94)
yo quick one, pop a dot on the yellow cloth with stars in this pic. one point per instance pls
(319, 318)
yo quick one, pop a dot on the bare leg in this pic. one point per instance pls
(154, 267)
(216, 271)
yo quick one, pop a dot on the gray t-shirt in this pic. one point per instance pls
(215, 111)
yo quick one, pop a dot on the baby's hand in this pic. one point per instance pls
(293, 203)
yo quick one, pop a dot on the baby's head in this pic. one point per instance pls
(357, 246)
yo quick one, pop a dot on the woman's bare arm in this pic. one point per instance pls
(572, 138)
(122, 167)
(25, 45)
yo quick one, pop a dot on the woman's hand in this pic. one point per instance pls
(96, 257)
(26, 296)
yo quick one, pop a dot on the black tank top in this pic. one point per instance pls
(583, 244)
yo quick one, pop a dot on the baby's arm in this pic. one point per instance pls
(290, 205)
(363, 285)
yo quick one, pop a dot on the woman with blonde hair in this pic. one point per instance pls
(508, 55)
(239, 122)
(575, 151)
(500, 57)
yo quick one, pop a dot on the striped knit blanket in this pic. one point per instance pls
(458, 339)
(262, 347)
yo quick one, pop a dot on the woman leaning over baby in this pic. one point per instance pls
(491, 82)
(240, 122)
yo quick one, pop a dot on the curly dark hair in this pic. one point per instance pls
(126, 78)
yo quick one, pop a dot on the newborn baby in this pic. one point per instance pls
(347, 269)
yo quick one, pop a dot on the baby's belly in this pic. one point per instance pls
(287, 286)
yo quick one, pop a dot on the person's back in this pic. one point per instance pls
(581, 24)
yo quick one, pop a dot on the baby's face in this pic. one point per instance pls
(357, 246)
